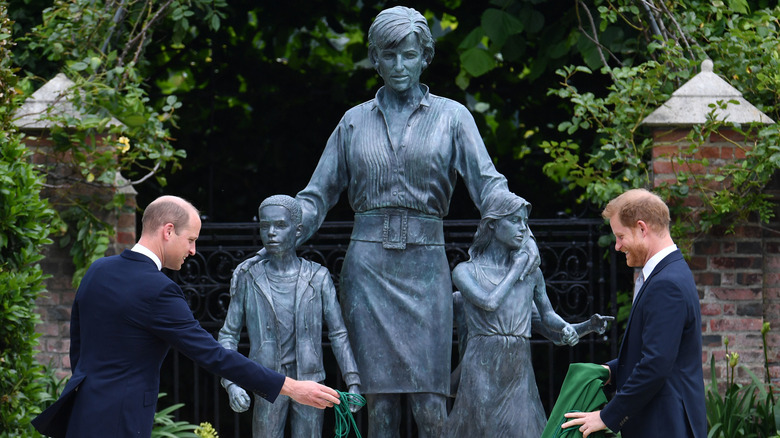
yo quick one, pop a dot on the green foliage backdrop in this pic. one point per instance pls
(226, 103)
(24, 230)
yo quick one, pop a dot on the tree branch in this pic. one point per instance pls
(138, 39)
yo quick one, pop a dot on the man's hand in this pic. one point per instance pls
(589, 422)
(310, 393)
(239, 399)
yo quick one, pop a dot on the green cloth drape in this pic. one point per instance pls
(581, 392)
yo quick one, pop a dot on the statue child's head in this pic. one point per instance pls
(497, 206)
(280, 219)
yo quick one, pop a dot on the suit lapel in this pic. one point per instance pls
(673, 256)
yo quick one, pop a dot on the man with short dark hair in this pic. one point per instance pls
(126, 316)
(658, 372)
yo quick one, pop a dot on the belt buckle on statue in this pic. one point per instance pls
(394, 232)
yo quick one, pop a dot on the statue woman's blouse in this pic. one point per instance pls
(440, 141)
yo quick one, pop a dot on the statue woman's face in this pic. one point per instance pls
(401, 65)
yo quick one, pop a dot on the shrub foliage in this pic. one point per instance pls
(25, 219)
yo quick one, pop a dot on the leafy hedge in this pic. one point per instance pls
(25, 219)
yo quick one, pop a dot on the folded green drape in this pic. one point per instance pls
(581, 392)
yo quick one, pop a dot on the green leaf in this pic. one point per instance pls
(499, 25)
(79, 66)
(477, 61)
(473, 39)
(134, 120)
(740, 6)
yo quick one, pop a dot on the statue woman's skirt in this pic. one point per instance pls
(397, 306)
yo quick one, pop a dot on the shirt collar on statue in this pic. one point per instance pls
(654, 260)
(379, 98)
(147, 252)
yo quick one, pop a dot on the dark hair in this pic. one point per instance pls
(497, 207)
(392, 25)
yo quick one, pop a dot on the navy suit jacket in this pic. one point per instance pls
(658, 372)
(125, 317)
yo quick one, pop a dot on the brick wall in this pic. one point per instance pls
(737, 274)
(54, 306)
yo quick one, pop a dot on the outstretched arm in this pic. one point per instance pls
(548, 318)
(595, 324)
(310, 393)
(229, 336)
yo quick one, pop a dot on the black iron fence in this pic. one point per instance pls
(581, 278)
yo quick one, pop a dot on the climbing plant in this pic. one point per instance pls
(745, 48)
(119, 137)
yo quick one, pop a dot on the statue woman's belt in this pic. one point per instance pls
(397, 227)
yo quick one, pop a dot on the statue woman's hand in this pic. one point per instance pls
(354, 389)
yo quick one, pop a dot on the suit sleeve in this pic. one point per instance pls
(663, 313)
(171, 319)
(75, 335)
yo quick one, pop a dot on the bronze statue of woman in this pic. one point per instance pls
(398, 157)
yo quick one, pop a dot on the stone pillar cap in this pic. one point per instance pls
(55, 95)
(689, 105)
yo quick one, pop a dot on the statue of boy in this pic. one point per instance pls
(283, 300)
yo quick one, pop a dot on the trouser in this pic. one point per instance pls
(270, 418)
(384, 414)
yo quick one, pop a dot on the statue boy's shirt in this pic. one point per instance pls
(284, 303)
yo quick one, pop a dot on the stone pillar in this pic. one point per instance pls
(54, 306)
(737, 274)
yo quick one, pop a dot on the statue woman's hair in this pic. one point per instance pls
(497, 207)
(392, 25)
